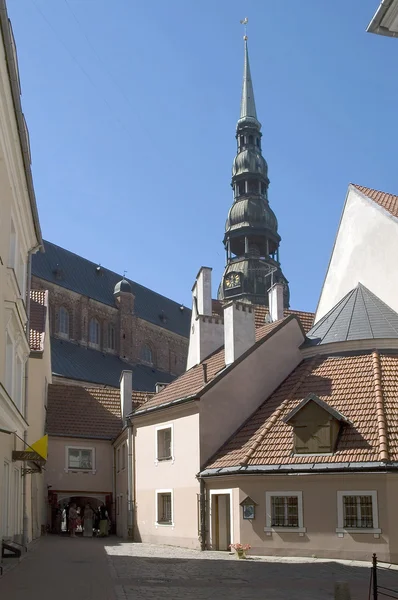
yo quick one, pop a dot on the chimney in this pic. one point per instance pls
(206, 334)
(275, 302)
(126, 394)
(239, 330)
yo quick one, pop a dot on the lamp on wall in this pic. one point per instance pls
(249, 508)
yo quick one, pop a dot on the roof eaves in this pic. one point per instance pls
(303, 468)
(81, 436)
(142, 411)
(12, 68)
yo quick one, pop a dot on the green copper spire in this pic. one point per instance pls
(247, 105)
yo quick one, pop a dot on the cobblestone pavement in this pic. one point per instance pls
(96, 569)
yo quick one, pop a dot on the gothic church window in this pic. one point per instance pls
(94, 332)
(63, 325)
(146, 354)
(111, 337)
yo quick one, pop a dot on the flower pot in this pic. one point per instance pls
(241, 553)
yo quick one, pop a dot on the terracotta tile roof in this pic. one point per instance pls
(192, 382)
(387, 201)
(79, 411)
(363, 387)
(260, 313)
(38, 312)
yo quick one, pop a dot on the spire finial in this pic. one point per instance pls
(247, 106)
(244, 22)
(124, 273)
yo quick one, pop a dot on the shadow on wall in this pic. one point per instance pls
(191, 574)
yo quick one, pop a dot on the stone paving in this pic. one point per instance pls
(107, 569)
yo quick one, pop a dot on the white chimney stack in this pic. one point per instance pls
(126, 394)
(275, 301)
(239, 330)
(206, 333)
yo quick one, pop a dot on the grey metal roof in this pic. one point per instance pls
(85, 364)
(73, 272)
(247, 105)
(360, 315)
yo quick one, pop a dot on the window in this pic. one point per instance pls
(357, 511)
(118, 459)
(21, 275)
(251, 139)
(124, 448)
(12, 254)
(9, 364)
(94, 332)
(63, 326)
(111, 337)
(164, 443)
(80, 458)
(164, 507)
(240, 188)
(146, 354)
(19, 377)
(284, 511)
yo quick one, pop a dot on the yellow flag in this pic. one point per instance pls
(41, 447)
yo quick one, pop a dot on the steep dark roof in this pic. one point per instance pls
(72, 361)
(73, 272)
(360, 315)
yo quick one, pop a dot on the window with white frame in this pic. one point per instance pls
(94, 332)
(284, 511)
(111, 337)
(164, 443)
(13, 248)
(164, 507)
(357, 511)
(63, 322)
(21, 275)
(9, 378)
(124, 448)
(80, 459)
(19, 382)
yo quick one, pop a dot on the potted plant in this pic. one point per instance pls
(240, 549)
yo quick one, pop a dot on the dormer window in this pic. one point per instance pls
(316, 426)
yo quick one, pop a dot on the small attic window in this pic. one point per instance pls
(316, 426)
(58, 272)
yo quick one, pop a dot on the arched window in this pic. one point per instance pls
(146, 354)
(94, 332)
(63, 325)
(111, 337)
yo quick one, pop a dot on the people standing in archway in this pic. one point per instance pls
(73, 519)
(88, 521)
(104, 520)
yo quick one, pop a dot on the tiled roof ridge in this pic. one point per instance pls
(380, 413)
(362, 189)
(275, 416)
(113, 272)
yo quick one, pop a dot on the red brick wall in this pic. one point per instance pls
(169, 350)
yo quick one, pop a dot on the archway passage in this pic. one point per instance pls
(59, 503)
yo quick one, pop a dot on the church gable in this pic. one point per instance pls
(316, 426)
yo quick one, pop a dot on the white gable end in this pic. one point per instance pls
(365, 251)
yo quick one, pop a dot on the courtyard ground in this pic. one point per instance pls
(106, 569)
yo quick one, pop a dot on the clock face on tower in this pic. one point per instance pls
(232, 280)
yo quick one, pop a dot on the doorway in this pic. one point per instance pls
(220, 519)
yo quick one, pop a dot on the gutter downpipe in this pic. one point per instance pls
(202, 504)
(130, 480)
(25, 523)
(114, 486)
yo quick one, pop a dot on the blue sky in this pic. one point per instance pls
(132, 107)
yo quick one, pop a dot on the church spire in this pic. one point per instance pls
(251, 238)
(247, 105)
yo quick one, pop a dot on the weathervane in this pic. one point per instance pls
(244, 22)
(124, 273)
